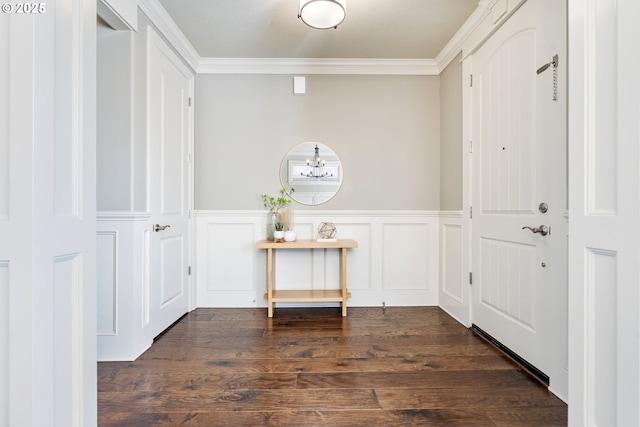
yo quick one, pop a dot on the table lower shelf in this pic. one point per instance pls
(307, 296)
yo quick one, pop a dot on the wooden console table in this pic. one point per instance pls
(337, 295)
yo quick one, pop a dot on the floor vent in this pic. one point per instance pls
(535, 372)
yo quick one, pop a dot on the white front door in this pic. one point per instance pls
(170, 87)
(519, 180)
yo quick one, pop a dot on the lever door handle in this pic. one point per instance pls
(543, 229)
(159, 227)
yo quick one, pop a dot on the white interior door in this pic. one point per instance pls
(47, 216)
(518, 161)
(604, 178)
(170, 87)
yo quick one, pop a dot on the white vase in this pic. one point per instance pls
(289, 236)
(278, 234)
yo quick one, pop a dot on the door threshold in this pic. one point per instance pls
(535, 372)
(169, 327)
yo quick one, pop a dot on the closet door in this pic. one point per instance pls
(169, 90)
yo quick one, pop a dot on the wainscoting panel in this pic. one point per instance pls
(405, 256)
(123, 285)
(451, 261)
(226, 247)
(396, 261)
(454, 295)
(107, 247)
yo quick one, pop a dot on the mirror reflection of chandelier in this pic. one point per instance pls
(316, 166)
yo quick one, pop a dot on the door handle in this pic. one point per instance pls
(543, 229)
(159, 227)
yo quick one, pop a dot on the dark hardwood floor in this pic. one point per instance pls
(405, 366)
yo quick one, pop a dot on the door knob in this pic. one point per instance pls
(159, 227)
(543, 229)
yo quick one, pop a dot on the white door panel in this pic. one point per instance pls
(509, 281)
(170, 87)
(518, 162)
(47, 216)
(172, 283)
(604, 238)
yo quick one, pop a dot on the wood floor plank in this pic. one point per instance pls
(426, 379)
(519, 416)
(257, 351)
(403, 366)
(201, 380)
(239, 400)
(347, 418)
(492, 399)
(274, 365)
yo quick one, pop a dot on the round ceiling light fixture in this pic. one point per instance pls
(322, 14)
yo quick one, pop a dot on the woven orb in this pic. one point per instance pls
(327, 230)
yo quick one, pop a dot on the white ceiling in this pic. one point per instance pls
(373, 29)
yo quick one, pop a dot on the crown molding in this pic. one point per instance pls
(168, 28)
(317, 66)
(424, 67)
(454, 46)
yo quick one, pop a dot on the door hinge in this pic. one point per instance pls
(189, 213)
(189, 101)
(470, 212)
(471, 80)
(470, 278)
(471, 145)
(189, 271)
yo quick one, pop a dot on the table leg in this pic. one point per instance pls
(343, 280)
(270, 282)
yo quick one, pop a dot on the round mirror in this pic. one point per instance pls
(313, 170)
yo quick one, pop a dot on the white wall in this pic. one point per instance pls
(451, 136)
(384, 128)
(115, 114)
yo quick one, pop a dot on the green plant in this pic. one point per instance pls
(274, 204)
(279, 226)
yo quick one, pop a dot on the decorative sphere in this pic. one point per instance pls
(327, 230)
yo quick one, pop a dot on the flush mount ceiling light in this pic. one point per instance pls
(322, 14)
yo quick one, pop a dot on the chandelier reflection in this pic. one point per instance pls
(316, 167)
